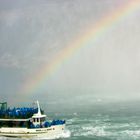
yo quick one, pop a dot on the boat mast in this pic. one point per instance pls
(38, 106)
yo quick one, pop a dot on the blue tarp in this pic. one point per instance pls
(54, 122)
(18, 112)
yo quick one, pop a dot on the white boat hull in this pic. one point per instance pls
(49, 132)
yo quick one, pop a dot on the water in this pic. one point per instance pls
(118, 121)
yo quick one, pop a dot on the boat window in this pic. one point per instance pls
(13, 124)
(42, 119)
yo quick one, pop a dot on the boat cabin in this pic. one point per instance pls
(38, 119)
(22, 117)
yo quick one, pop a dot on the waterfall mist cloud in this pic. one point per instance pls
(33, 32)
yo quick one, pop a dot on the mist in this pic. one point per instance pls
(33, 32)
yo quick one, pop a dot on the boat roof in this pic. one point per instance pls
(18, 120)
(21, 114)
(38, 116)
(18, 113)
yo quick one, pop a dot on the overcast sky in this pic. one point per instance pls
(32, 32)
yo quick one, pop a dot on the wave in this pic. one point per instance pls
(66, 134)
(132, 133)
(104, 127)
(92, 131)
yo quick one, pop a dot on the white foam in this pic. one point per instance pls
(72, 121)
(92, 131)
(66, 134)
(75, 114)
(132, 133)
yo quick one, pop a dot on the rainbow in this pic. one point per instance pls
(90, 35)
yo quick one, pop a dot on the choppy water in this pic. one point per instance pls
(101, 122)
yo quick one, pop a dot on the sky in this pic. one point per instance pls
(34, 34)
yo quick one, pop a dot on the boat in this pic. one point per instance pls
(28, 122)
